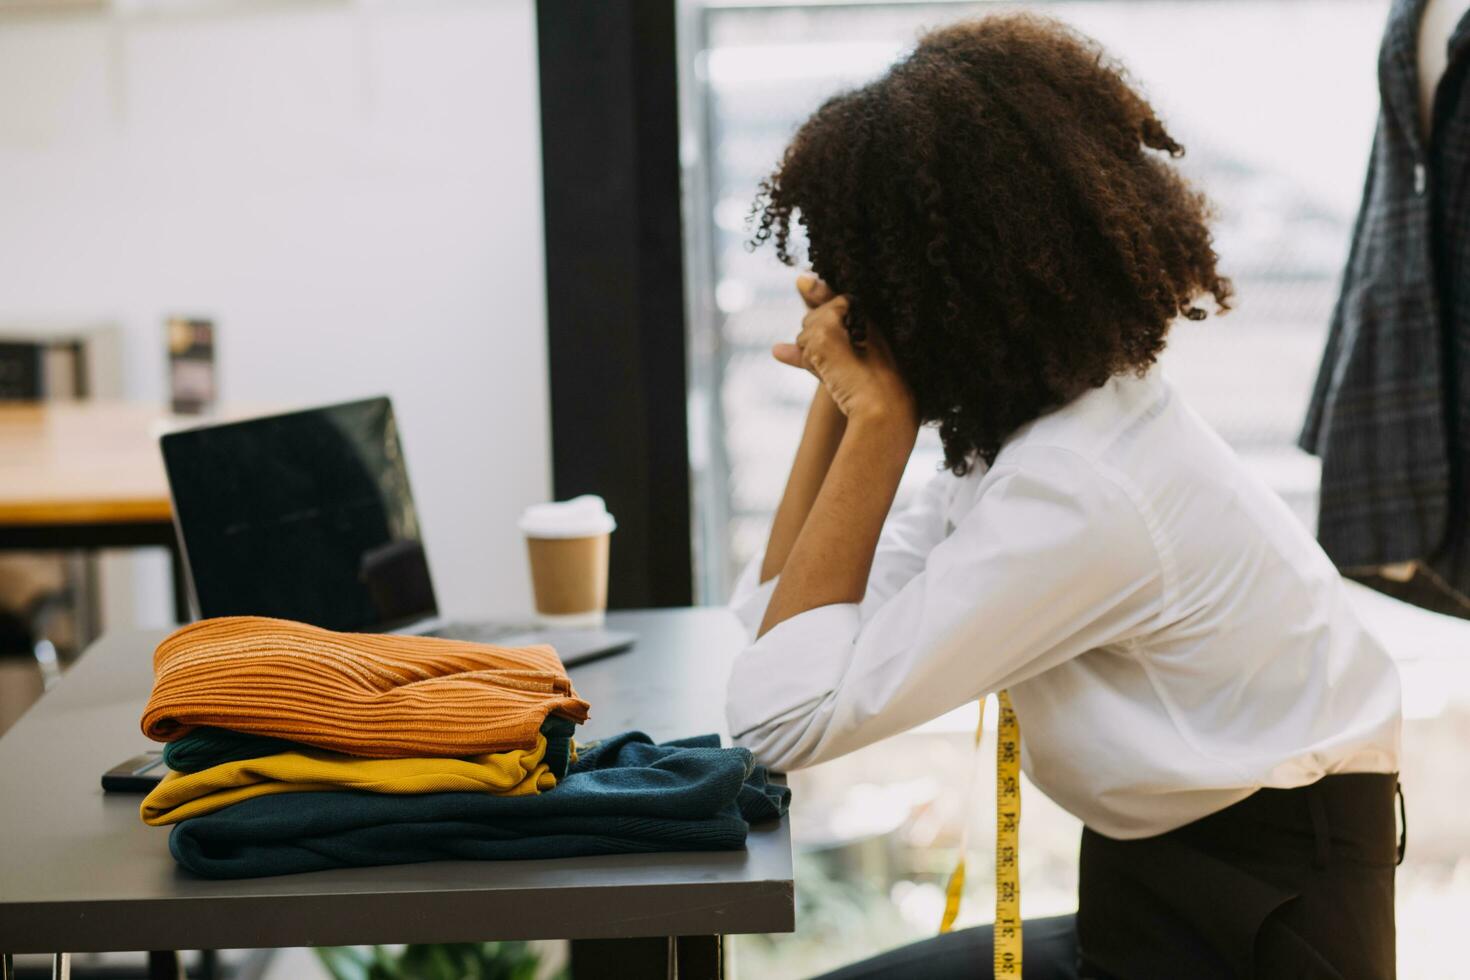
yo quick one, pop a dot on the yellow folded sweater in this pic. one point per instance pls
(520, 772)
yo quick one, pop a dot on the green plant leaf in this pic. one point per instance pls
(510, 960)
(343, 962)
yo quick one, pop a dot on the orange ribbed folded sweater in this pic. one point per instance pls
(375, 695)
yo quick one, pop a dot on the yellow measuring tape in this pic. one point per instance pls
(1007, 830)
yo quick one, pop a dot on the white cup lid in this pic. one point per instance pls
(580, 517)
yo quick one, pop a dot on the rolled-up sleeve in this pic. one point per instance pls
(751, 596)
(1054, 559)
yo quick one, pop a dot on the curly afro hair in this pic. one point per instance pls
(991, 206)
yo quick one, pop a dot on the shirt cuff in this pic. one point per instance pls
(752, 596)
(781, 676)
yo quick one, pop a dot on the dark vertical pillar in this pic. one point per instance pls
(615, 284)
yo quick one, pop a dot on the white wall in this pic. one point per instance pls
(351, 189)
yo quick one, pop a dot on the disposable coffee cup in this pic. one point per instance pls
(567, 543)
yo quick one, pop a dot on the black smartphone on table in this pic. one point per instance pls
(138, 775)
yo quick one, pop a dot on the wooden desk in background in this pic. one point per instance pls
(86, 475)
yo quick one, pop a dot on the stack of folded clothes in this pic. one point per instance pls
(295, 748)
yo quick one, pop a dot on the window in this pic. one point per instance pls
(1274, 101)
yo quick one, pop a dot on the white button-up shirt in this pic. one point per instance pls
(1171, 635)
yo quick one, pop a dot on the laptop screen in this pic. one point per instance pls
(306, 516)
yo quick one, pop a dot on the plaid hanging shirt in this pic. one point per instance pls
(1390, 412)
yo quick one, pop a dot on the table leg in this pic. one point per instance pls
(61, 966)
(7, 967)
(88, 575)
(164, 964)
(624, 959)
(673, 957)
(700, 957)
(208, 964)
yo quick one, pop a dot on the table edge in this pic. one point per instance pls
(450, 915)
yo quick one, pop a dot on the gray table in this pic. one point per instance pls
(80, 872)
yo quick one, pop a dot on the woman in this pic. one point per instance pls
(1000, 245)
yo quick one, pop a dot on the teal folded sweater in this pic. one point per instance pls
(205, 748)
(623, 795)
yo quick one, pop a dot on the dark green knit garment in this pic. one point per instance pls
(204, 748)
(558, 732)
(624, 795)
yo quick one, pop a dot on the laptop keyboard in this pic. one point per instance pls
(478, 632)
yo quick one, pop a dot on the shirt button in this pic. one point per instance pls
(1420, 178)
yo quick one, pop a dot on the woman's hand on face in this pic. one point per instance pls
(863, 382)
(825, 413)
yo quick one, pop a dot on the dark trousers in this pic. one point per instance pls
(1293, 883)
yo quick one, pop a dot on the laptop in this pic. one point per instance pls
(309, 516)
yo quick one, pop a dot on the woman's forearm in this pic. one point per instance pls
(819, 441)
(833, 553)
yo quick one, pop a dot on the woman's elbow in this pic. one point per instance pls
(773, 752)
(787, 744)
